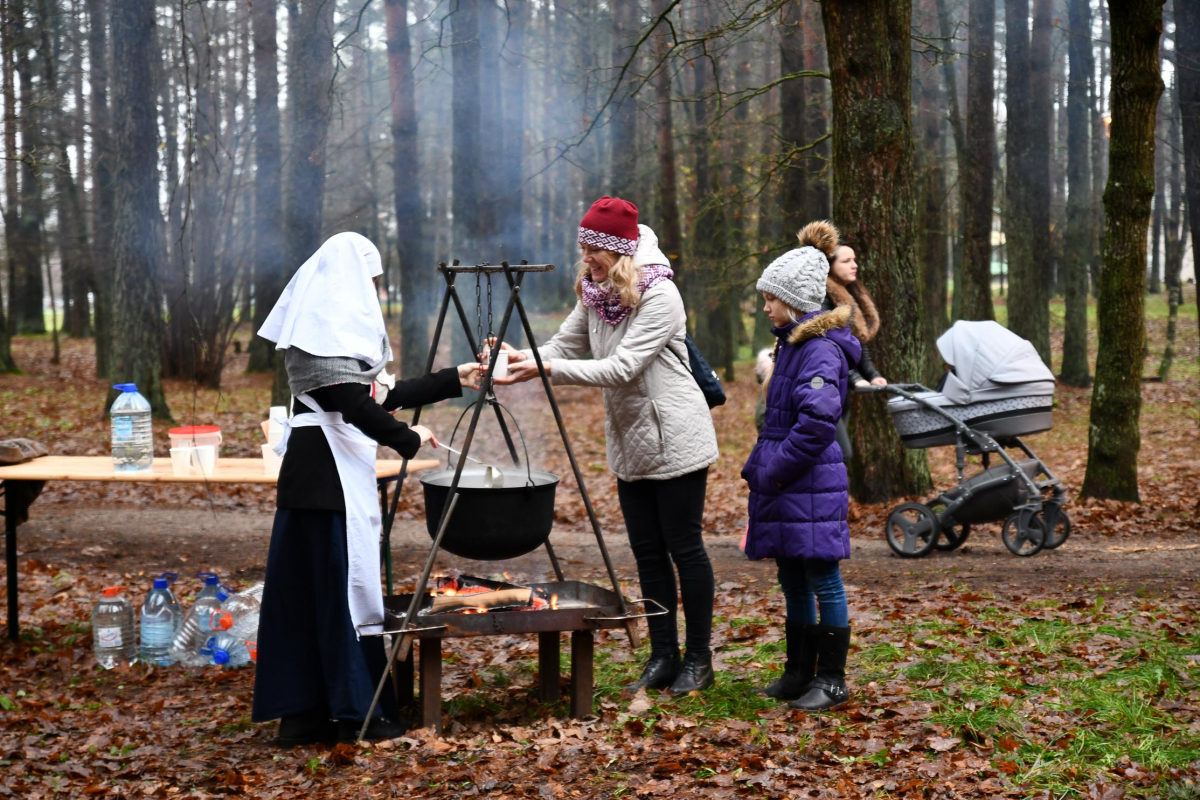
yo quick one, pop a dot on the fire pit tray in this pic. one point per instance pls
(582, 606)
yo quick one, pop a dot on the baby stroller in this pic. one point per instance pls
(996, 390)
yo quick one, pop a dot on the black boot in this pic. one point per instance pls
(801, 663)
(695, 675)
(310, 727)
(378, 729)
(658, 673)
(828, 690)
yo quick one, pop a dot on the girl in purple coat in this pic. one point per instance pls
(798, 486)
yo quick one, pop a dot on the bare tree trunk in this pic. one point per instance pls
(624, 114)
(1154, 282)
(1187, 64)
(977, 168)
(793, 112)
(1078, 238)
(950, 72)
(1027, 192)
(710, 286)
(136, 217)
(27, 292)
(670, 237)
(933, 258)
(1176, 235)
(873, 204)
(268, 176)
(416, 263)
(11, 189)
(816, 123)
(310, 76)
(513, 77)
(72, 232)
(1099, 150)
(103, 274)
(1113, 435)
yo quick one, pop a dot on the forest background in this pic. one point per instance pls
(168, 165)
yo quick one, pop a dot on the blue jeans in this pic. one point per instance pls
(809, 581)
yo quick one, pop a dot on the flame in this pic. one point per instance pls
(553, 602)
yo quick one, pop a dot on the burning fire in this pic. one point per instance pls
(457, 585)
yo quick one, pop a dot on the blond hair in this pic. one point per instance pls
(623, 275)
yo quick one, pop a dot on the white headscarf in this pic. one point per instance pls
(330, 307)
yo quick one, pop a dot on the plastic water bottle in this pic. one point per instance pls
(241, 604)
(245, 628)
(227, 651)
(212, 584)
(112, 629)
(161, 618)
(132, 433)
(196, 631)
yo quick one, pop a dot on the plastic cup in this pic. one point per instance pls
(205, 457)
(501, 364)
(271, 461)
(181, 461)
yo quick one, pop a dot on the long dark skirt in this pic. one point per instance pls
(309, 659)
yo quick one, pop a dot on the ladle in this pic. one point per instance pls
(491, 478)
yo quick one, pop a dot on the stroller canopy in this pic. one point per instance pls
(990, 363)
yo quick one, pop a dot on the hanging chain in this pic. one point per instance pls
(479, 311)
(491, 330)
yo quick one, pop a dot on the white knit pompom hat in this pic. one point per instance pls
(797, 278)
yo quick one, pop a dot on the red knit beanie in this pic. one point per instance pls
(611, 224)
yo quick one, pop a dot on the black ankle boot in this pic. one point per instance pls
(828, 689)
(658, 673)
(695, 675)
(311, 727)
(378, 730)
(801, 663)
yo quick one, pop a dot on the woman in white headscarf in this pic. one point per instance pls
(322, 586)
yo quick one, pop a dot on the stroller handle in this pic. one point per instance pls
(901, 389)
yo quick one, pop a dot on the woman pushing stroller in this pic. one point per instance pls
(798, 486)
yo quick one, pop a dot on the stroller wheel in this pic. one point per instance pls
(911, 530)
(1058, 524)
(953, 533)
(1024, 533)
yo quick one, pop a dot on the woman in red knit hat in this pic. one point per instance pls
(659, 434)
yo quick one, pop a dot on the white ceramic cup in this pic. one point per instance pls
(205, 459)
(501, 363)
(271, 462)
(181, 461)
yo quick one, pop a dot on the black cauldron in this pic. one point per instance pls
(492, 523)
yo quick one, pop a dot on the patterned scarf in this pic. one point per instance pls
(605, 298)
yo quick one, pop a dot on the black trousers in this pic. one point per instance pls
(665, 520)
(309, 659)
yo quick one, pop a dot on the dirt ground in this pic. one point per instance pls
(132, 541)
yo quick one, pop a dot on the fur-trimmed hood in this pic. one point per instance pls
(865, 321)
(819, 324)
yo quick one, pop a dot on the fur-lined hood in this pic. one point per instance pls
(865, 321)
(834, 325)
(820, 324)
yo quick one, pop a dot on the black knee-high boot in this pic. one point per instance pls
(801, 664)
(828, 689)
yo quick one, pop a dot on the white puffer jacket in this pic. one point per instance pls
(657, 424)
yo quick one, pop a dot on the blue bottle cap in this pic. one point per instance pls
(161, 583)
(222, 596)
(210, 578)
(126, 387)
(220, 656)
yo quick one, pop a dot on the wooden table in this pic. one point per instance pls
(16, 480)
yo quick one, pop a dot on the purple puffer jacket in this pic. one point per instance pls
(798, 488)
